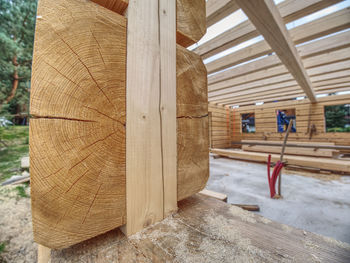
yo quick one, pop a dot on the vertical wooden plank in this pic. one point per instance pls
(150, 133)
(167, 23)
(44, 254)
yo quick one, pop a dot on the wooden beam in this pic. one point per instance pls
(118, 6)
(191, 21)
(312, 145)
(280, 98)
(290, 10)
(321, 163)
(77, 144)
(261, 95)
(44, 254)
(291, 92)
(223, 230)
(266, 18)
(151, 113)
(192, 123)
(219, 9)
(277, 81)
(312, 30)
(216, 195)
(316, 53)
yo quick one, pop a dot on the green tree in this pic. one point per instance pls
(335, 116)
(17, 20)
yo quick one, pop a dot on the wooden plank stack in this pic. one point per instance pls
(319, 163)
(81, 132)
(317, 152)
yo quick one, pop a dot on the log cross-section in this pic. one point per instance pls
(266, 18)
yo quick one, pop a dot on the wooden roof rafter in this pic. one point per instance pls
(255, 71)
(266, 18)
(289, 9)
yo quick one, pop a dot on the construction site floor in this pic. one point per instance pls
(209, 230)
(318, 203)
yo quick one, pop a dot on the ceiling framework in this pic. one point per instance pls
(310, 59)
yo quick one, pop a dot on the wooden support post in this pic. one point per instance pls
(151, 113)
(44, 254)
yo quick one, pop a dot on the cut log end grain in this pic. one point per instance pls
(191, 21)
(118, 6)
(192, 124)
(77, 136)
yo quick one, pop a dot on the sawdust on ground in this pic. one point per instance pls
(16, 227)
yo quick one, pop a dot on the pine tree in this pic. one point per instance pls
(17, 20)
(335, 116)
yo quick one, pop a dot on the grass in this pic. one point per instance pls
(21, 191)
(2, 247)
(16, 139)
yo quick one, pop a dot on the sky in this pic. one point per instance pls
(238, 17)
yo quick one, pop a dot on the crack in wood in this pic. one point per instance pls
(192, 117)
(91, 204)
(79, 162)
(105, 115)
(101, 140)
(86, 67)
(77, 181)
(59, 118)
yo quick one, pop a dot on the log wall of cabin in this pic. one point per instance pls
(223, 132)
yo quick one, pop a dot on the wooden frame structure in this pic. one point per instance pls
(305, 61)
(118, 105)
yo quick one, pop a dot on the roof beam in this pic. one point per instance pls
(313, 54)
(292, 90)
(266, 18)
(320, 27)
(289, 9)
(281, 98)
(219, 9)
(319, 82)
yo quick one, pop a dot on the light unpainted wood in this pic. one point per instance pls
(77, 133)
(286, 95)
(320, 163)
(265, 122)
(290, 10)
(167, 107)
(266, 18)
(44, 254)
(334, 63)
(192, 123)
(203, 226)
(191, 21)
(315, 28)
(289, 150)
(118, 6)
(219, 9)
(216, 195)
(314, 65)
(151, 89)
(280, 84)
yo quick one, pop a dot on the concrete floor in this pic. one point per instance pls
(319, 206)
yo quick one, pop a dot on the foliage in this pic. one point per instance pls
(17, 19)
(16, 139)
(338, 129)
(2, 247)
(21, 191)
(335, 118)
